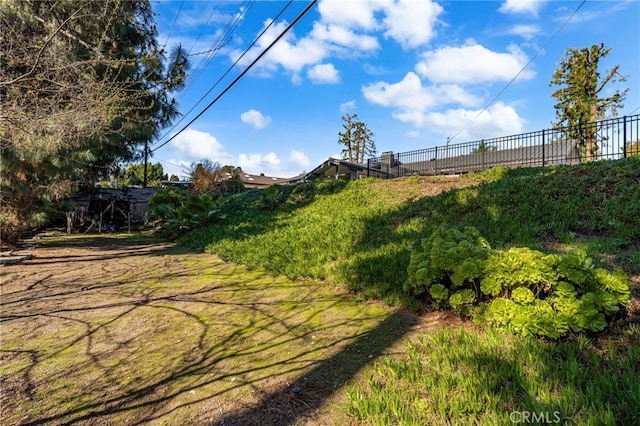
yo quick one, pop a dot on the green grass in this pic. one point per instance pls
(164, 335)
(469, 377)
(360, 233)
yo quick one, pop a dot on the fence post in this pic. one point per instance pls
(368, 165)
(396, 162)
(435, 169)
(543, 159)
(624, 136)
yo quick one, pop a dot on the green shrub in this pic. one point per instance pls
(177, 212)
(270, 198)
(523, 290)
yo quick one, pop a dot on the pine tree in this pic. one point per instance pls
(579, 100)
(83, 86)
(364, 145)
(346, 138)
(357, 139)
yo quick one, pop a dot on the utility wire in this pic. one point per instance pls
(200, 33)
(231, 67)
(174, 24)
(524, 67)
(273, 43)
(218, 44)
(180, 166)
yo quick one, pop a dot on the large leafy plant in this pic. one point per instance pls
(523, 290)
(177, 212)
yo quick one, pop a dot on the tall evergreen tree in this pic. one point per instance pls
(579, 99)
(83, 86)
(357, 139)
(363, 143)
(346, 138)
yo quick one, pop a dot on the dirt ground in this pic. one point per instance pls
(117, 329)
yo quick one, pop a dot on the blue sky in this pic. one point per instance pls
(415, 71)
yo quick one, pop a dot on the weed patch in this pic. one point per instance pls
(458, 376)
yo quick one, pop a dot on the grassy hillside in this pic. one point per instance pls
(360, 233)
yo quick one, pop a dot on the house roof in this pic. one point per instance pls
(327, 168)
(256, 181)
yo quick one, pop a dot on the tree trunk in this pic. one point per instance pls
(591, 143)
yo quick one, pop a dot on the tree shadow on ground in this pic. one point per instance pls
(285, 405)
(178, 336)
(538, 382)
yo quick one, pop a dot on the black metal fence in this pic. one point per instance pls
(606, 139)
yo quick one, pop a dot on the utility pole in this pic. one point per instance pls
(146, 155)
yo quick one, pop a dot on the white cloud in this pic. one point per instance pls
(290, 53)
(374, 69)
(190, 147)
(411, 23)
(521, 6)
(407, 93)
(452, 64)
(337, 36)
(296, 79)
(423, 107)
(193, 145)
(357, 14)
(412, 99)
(526, 31)
(299, 159)
(172, 166)
(323, 73)
(272, 165)
(347, 106)
(255, 119)
(258, 163)
(345, 30)
(498, 120)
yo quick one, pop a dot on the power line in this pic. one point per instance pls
(174, 24)
(231, 67)
(273, 43)
(524, 67)
(180, 166)
(631, 113)
(222, 39)
(200, 33)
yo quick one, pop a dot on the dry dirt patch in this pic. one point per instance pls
(118, 329)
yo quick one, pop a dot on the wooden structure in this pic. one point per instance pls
(106, 209)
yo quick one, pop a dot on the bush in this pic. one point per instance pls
(176, 212)
(520, 289)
